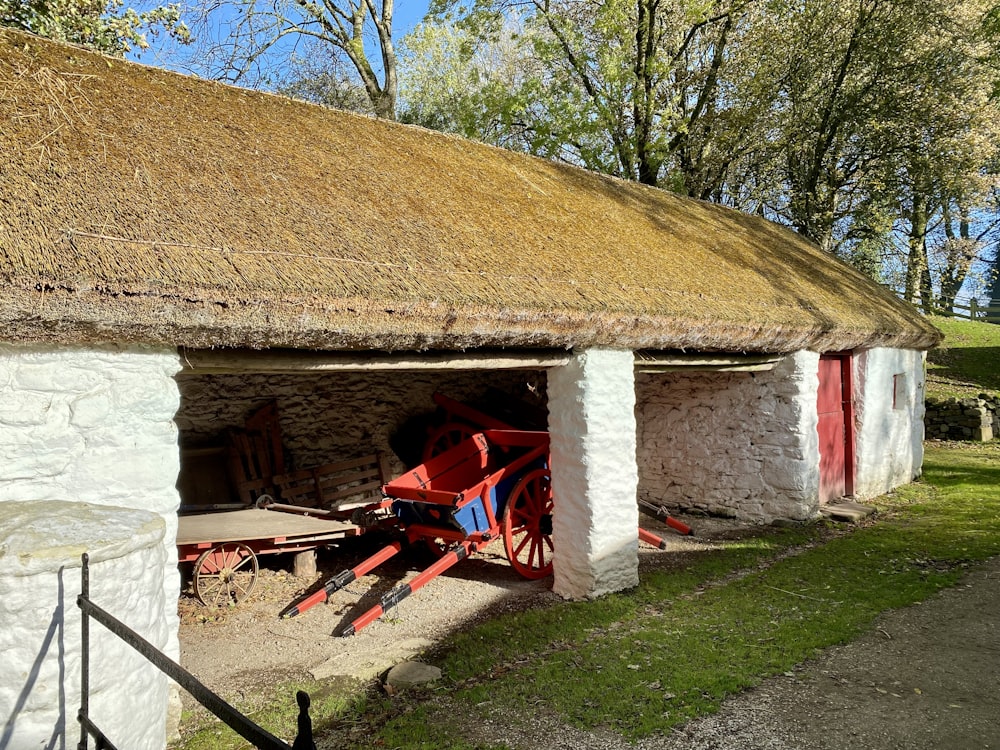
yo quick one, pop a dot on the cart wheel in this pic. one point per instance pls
(225, 575)
(446, 436)
(527, 525)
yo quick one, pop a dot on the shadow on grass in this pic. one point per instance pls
(977, 367)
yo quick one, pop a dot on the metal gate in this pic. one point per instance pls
(250, 731)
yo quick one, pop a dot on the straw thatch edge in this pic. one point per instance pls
(58, 315)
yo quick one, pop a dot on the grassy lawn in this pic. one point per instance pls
(679, 644)
(967, 362)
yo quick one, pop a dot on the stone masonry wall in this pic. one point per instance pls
(975, 419)
(737, 444)
(41, 639)
(96, 426)
(335, 416)
(888, 415)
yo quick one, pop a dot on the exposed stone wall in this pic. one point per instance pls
(738, 444)
(888, 413)
(594, 474)
(335, 416)
(975, 419)
(40, 547)
(96, 426)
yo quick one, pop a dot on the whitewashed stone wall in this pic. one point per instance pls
(339, 415)
(736, 444)
(594, 475)
(40, 547)
(95, 426)
(889, 414)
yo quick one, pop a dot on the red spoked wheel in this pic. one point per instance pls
(527, 525)
(225, 575)
(446, 436)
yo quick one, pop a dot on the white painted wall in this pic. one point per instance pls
(889, 437)
(96, 426)
(735, 444)
(594, 474)
(40, 547)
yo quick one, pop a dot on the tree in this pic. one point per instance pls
(854, 121)
(104, 26)
(615, 86)
(255, 42)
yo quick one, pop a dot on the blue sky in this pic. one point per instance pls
(164, 54)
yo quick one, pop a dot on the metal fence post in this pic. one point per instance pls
(84, 715)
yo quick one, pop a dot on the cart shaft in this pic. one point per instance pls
(343, 579)
(456, 554)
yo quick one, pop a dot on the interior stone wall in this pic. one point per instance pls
(334, 416)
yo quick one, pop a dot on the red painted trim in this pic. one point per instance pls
(850, 459)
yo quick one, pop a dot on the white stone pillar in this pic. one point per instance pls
(40, 639)
(594, 474)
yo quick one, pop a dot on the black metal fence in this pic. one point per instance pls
(253, 733)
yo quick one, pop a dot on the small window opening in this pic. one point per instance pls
(899, 391)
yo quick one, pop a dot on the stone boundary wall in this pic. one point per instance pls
(975, 419)
(739, 444)
(336, 416)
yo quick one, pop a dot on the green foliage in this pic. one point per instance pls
(104, 25)
(867, 126)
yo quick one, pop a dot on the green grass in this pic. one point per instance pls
(646, 660)
(968, 361)
(675, 647)
(332, 701)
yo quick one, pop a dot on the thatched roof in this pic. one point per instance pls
(143, 206)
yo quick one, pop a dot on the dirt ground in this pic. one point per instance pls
(925, 677)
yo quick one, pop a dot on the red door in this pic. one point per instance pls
(836, 439)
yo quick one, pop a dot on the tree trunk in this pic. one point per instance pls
(995, 288)
(647, 164)
(916, 261)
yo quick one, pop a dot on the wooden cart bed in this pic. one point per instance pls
(256, 524)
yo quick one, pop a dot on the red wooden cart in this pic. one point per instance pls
(224, 546)
(493, 484)
(462, 420)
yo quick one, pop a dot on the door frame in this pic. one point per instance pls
(846, 359)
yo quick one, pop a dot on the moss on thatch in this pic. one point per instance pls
(140, 205)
